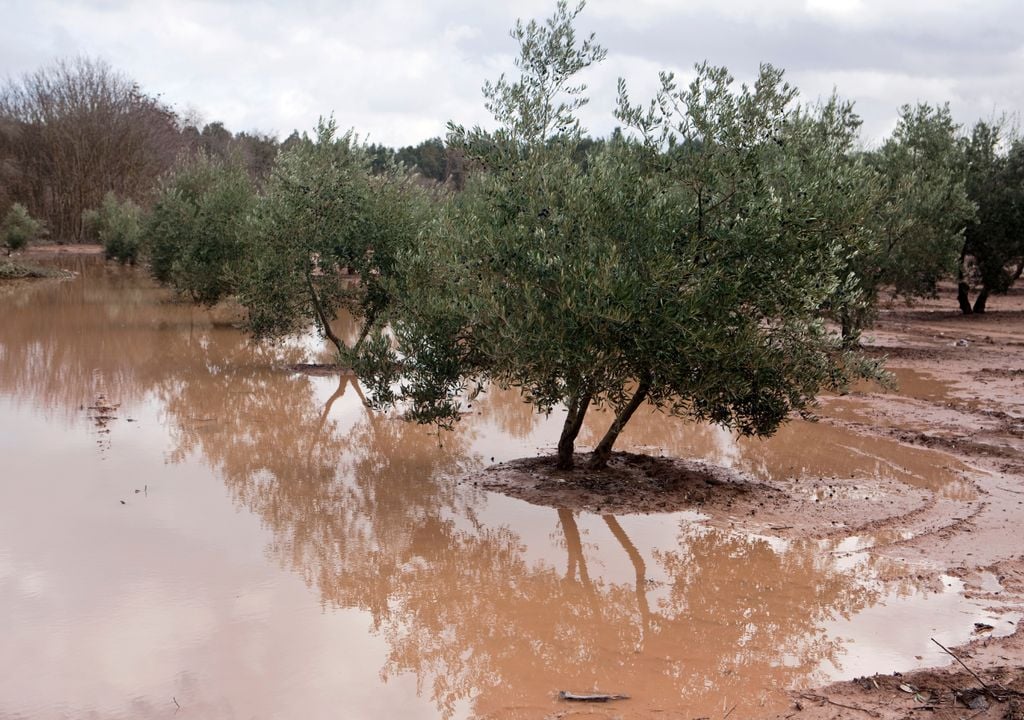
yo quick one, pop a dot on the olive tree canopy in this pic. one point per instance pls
(992, 257)
(320, 239)
(685, 268)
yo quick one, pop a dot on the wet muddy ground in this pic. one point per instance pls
(962, 392)
(192, 525)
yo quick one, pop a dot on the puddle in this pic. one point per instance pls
(902, 624)
(800, 449)
(990, 583)
(289, 554)
(912, 383)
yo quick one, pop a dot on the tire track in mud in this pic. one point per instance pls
(970, 532)
(993, 537)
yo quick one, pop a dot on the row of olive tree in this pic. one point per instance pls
(74, 132)
(691, 263)
(992, 255)
(316, 240)
(951, 205)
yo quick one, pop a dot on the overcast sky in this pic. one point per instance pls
(397, 71)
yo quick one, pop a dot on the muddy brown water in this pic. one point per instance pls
(187, 527)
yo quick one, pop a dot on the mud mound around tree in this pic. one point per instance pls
(320, 369)
(630, 484)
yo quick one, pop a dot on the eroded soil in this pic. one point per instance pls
(57, 249)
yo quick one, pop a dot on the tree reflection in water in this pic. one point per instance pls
(491, 604)
(365, 508)
(479, 622)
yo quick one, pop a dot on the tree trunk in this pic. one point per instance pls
(571, 428)
(368, 323)
(603, 451)
(359, 390)
(639, 568)
(848, 329)
(963, 289)
(963, 297)
(325, 322)
(324, 414)
(979, 302)
(577, 564)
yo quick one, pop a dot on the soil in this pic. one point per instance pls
(320, 369)
(961, 393)
(992, 689)
(644, 484)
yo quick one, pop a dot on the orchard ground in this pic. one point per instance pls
(972, 407)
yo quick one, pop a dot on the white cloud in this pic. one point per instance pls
(842, 10)
(398, 71)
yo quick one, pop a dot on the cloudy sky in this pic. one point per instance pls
(397, 70)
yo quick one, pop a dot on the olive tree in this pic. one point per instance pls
(117, 225)
(196, 230)
(919, 219)
(321, 237)
(992, 257)
(325, 238)
(19, 228)
(685, 268)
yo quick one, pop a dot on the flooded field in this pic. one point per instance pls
(191, 528)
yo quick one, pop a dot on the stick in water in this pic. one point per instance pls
(589, 697)
(950, 653)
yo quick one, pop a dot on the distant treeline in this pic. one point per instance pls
(74, 131)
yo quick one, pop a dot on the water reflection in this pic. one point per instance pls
(488, 604)
(911, 383)
(487, 612)
(507, 633)
(112, 332)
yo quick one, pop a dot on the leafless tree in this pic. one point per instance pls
(75, 130)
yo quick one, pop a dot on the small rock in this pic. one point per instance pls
(978, 702)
